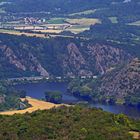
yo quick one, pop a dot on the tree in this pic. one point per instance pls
(53, 96)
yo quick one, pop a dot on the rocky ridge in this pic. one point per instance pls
(122, 82)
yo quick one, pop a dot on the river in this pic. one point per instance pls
(36, 90)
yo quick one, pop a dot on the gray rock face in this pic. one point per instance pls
(31, 62)
(123, 82)
(101, 58)
(76, 60)
(107, 57)
(12, 57)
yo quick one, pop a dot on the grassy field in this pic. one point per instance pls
(83, 21)
(113, 20)
(84, 12)
(137, 23)
(2, 11)
(36, 105)
(136, 135)
(56, 21)
(78, 28)
(54, 25)
(28, 27)
(48, 31)
(14, 32)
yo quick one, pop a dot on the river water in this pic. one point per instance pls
(37, 90)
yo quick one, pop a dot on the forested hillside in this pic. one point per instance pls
(10, 98)
(119, 85)
(66, 57)
(64, 123)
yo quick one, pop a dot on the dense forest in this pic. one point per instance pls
(68, 123)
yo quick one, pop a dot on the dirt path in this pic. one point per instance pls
(36, 105)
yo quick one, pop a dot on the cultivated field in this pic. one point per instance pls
(84, 12)
(53, 25)
(36, 105)
(77, 29)
(48, 31)
(113, 19)
(84, 21)
(136, 135)
(14, 32)
(137, 23)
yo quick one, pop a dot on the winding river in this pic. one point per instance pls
(36, 90)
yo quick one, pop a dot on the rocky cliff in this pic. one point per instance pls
(58, 57)
(122, 83)
(29, 62)
(92, 59)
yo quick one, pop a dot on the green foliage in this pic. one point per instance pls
(69, 123)
(133, 100)
(53, 96)
(10, 98)
(123, 36)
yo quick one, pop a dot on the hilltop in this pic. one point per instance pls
(68, 123)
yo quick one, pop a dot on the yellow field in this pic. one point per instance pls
(12, 32)
(84, 12)
(136, 135)
(36, 105)
(137, 23)
(48, 31)
(28, 28)
(84, 21)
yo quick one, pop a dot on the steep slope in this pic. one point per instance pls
(58, 56)
(31, 62)
(73, 123)
(123, 83)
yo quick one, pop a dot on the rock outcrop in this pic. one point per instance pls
(58, 57)
(93, 59)
(122, 82)
(28, 63)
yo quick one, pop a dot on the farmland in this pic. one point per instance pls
(53, 25)
(83, 12)
(35, 105)
(137, 23)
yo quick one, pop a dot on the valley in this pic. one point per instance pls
(69, 70)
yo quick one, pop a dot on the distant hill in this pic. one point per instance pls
(60, 6)
(106, 10)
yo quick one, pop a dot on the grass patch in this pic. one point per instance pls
(78, 28)
(137, 23)
(2, 11)
(56, 21)
(84, 21)
(113, 20)
(87, 12)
